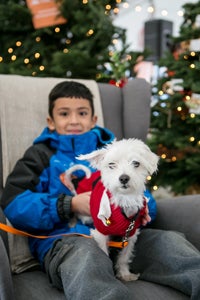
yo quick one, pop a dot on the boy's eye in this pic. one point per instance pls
(112, 165)
(135, 163)
(64, 114)
(83, 113)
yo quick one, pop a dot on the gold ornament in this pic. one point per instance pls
(108, 222)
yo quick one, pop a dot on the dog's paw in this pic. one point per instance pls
(128, 276)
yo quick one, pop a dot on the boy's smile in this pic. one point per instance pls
(71, 116)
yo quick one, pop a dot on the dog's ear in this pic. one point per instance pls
(95, 157)
(151, 161)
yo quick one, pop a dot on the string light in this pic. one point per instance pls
(180, 13)
(187, 97)
(57, 29)
(155, 187)
(90, 32)
(38, 39)
(164, 12)
(150, 9)
(18, 43)
(116, 10)
(138, 8)
(174, 158)
(26, 60)
(37, 55)
(41, 68)
(13, 57)
(125, 5)
(192, 116)
(108, 7)
(192, 139)
(115, 41)
(10, 50)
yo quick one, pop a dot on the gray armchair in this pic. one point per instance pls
(126, 111)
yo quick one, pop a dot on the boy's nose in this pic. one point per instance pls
(73, 118)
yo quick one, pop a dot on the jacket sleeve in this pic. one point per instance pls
(25, 200)
(151, 204)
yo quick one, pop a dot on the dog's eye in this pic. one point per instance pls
(112, 165)
(135, 163)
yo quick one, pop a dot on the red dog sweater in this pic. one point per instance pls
(118, 223)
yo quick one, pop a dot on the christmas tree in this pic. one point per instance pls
(175, 123)
(77, 48)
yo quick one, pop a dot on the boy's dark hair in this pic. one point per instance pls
(69, 89)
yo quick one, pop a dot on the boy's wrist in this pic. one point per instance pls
(64, 207)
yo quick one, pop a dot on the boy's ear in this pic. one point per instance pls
(50, 123)
(95, 157)
(94, 121)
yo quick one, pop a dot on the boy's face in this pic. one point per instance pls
(71, 116)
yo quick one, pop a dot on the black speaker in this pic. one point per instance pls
(157, 35)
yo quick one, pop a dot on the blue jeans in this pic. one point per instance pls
(79, 267)
(167, 258)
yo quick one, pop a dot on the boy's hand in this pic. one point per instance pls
(146, 218)
(81, 204)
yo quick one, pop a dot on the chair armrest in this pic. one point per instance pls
(180, 214)
(3, 234)
(6, 285)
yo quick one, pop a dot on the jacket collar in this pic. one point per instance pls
(77, 144)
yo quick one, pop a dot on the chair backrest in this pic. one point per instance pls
(126, 110)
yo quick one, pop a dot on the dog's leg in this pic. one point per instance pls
(101, 239)
(122, 265)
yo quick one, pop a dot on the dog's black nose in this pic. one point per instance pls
(124, 178)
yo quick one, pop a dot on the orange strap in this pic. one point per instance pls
(13, 230)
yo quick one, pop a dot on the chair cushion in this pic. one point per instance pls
(35, 286)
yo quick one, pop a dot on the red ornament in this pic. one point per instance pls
(120, 83)
(170, 73)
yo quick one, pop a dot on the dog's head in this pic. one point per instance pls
(124, 165)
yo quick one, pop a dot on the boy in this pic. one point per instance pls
(36, 200)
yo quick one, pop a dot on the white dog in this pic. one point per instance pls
(117, 200)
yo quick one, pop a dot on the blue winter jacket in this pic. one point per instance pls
(31, 193)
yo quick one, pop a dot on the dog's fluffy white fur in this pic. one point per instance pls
(124, 167)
